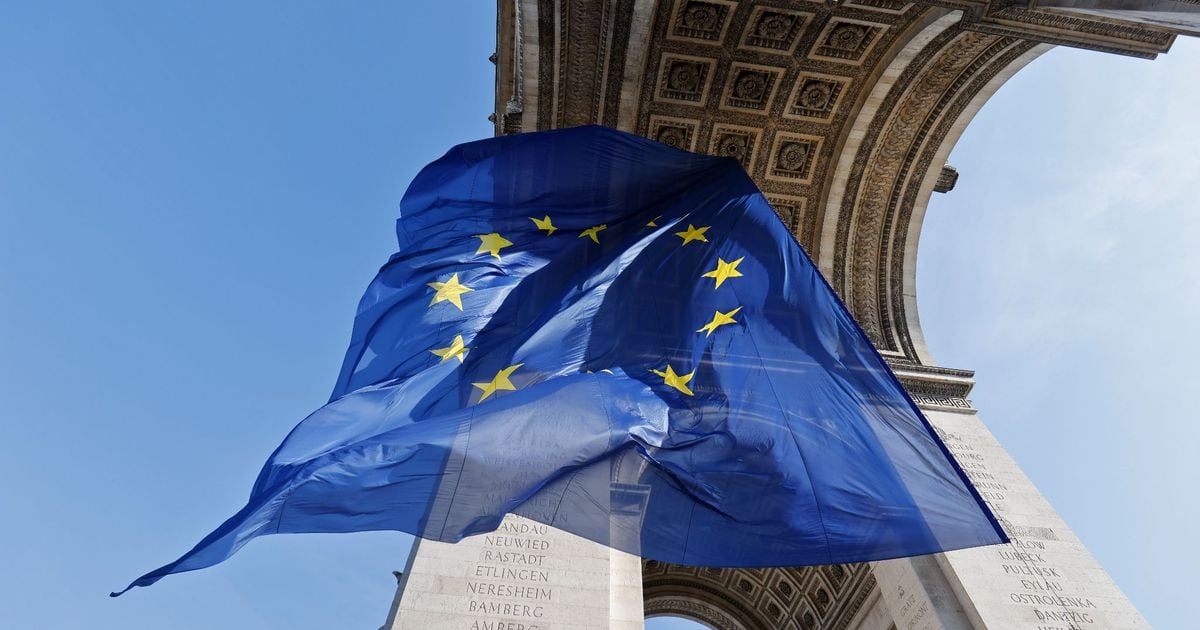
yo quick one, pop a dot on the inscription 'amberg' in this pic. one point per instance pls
(502, 625)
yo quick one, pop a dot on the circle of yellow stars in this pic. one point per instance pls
(452, 290)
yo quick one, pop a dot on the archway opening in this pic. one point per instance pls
(674, 622)
(1062, 269)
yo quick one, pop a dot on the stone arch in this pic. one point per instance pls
(708, 608)
(844, 113)
(890, 164)
(803, 598)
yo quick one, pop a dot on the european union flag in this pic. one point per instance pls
(620, 340)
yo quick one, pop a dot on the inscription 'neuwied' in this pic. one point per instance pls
(519, 543)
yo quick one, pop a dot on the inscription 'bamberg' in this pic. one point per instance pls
(511, 610)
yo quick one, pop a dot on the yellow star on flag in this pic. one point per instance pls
(593, 232)
(544, 224)
(450, 291)
(718, 320)
(492, 244)
(653, 222)
(455, 350)
(725, 271)
(693, 233)
(498, 382)
(678, 381)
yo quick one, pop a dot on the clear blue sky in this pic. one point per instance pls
(193, 196)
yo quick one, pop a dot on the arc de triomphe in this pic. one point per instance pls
(844, 113)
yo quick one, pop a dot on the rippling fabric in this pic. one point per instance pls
(623, 341)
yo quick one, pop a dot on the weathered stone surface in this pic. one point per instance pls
(523, 576)
(1045, 578)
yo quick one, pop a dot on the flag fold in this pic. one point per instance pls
(623, 341)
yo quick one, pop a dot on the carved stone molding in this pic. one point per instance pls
(1048, 27)
(886, 179)
(693, 608)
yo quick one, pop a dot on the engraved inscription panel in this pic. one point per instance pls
(1044, 578)
(523, 576)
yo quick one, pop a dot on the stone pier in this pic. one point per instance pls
(523, 576)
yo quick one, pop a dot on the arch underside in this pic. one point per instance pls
(794, 598)
(844, 114)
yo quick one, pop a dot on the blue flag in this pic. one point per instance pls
(620, 340)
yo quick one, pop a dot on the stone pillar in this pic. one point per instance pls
(523, 576)
(918, 595)
(1043, 580)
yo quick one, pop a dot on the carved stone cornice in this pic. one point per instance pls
(1050, 27)
(938, 387)
(946, 180)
